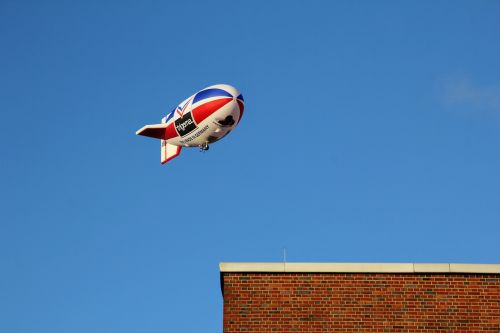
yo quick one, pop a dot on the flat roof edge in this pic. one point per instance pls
(297, 267)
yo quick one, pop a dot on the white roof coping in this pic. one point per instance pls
(297, 267)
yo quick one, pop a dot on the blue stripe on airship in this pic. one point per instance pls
(214, 92)
(240, 96)
(170, 115)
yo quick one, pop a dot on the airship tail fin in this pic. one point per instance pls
(156, 131)
(169, 151)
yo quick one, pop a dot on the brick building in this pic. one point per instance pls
(356, 297)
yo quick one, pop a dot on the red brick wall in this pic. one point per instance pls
(364, 302)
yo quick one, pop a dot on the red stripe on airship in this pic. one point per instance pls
(242, 107)
(204, 111)
(170, 132)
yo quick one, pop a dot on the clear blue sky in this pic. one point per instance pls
(371, 133)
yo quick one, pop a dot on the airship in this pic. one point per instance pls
(200, 120)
